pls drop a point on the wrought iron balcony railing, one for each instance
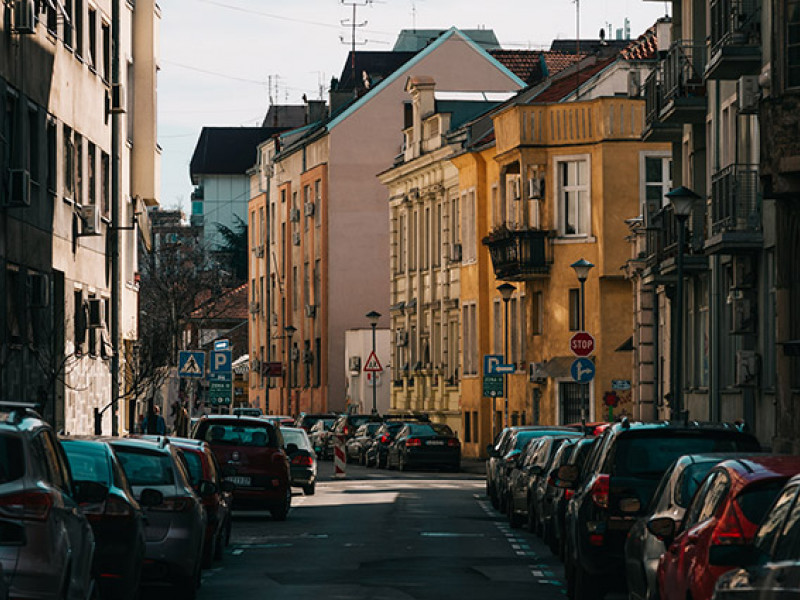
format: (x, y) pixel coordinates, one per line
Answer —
(683, 67)
(735, 200)
(521, 254)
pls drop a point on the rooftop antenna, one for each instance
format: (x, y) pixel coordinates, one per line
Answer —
(413, 16)
(353, 24)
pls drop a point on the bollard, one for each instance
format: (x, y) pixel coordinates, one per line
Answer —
(339, 458)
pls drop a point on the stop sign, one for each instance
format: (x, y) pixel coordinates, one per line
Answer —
(582, 344)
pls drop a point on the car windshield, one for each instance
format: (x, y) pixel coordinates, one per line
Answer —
(754, 500)
(372, 428)
(195, 464)
(651, 455)
(430, 429)
(237, 434)
(88, 462)
(146, 468)
(12, 459)
(295, 437)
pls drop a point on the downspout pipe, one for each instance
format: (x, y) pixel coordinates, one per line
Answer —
(115, 218)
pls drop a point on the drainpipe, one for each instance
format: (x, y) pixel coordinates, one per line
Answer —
(115, 219)
(715, 308)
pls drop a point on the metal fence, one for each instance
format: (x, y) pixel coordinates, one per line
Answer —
(735, 199)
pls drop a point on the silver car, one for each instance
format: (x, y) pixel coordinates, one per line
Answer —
(174, 529)
(49, 554)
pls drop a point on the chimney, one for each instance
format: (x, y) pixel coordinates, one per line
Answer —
(316, 110)
(423, 105)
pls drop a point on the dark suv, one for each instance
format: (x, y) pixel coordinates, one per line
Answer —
(615, 487)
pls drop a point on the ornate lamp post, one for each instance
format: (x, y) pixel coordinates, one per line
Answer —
(373, 317)
(582, 268)
(506, 290)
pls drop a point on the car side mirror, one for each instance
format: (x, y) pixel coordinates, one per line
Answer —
(291, 448)
(663, 528)
(150, 497)
(227, 486)
(567, 476)
(732, 555)
(12, 533)
(89, 492)
(206, 489)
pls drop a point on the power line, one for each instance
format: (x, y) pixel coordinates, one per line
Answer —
(216, 73)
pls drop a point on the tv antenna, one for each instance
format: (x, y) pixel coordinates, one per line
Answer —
(354, 24)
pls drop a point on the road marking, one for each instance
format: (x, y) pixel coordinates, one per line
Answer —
(446, 534)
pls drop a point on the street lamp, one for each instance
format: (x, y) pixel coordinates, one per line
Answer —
(373, 317)
(682, 199)
(582, 268)
(506, 290)
(290, 331)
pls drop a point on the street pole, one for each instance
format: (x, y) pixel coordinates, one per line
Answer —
(506, 290)
(582, 268)
(678, 357)
(373, 317)
(289, 329)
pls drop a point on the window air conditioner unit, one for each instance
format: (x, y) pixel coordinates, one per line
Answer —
(97, 313)
(748, 93)
(38, 290)
(259, 251)
(457, 253)
(401, 338)
(354, 364)
(536, 373)
(296, 239)
(294, 215)
(295, 353)
(254, 307)
(90, 217)
(25, 17)
(308, 209)
(19, 189)
(747, 368)
(311, 310)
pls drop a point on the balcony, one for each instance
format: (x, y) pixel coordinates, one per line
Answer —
(694, 259)
(654, 129)
(735, 39)
(519, 255)
(684, 92)
(735, 211)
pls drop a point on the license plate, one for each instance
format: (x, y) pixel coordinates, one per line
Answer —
(241, 481)
(435, 443)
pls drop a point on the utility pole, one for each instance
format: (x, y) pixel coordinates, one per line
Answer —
(353, 24)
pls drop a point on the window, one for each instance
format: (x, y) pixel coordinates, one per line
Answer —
(773, 522)
(79, 28)
(573, 208)
(700, 344)
(69, 164)
(90, 166)
(467, 427)
(426, 241)
(33, 145)
(317, 362)
(295, 295)
(537, 314)
(436, 232)
(92, 22)
(52, 152)
(68, 23)
(79, 322)
(92, 335)
(317, 281)
(656, 174)
(574, 310)
(130, 114)
(13, 306)
(498, 326)
(105, 69)
(79, 169)
(789, 542)
(51, 19)
(317, 202)
(468, 227)
(306, 201)
(497, 207)
(793, 43)
(470, 324)
(402, 246)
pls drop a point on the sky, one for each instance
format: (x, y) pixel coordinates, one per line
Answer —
(218, 57)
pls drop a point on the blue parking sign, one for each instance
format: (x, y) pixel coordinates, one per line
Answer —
(221, 362)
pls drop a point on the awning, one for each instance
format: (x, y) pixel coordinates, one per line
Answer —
(626, 346)
(559, 366)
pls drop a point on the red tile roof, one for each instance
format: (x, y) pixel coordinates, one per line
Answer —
(558, 61)
(642, 48)
(527, 64)
(566, 83)
(231, 305)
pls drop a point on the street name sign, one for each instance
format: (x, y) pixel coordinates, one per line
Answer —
(492, 386)
(582, 370)
(582, 344)
(373, 364)
(191, 364)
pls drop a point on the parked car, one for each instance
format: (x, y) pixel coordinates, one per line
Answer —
(216, 498)
(498, 450)
(673, 494)
(302, 459)
(280, 420)
(247, 411)
(561, 496)
(320, 436)
(40, 508)
(622, 473)
(542, 495)
(727, 509)
(770, 566)
(377, 448)
(174, 528)
(347, 424)
(531, 467)
(250, 452)
(425, 444)
(355, 447)
(117, 522)
(307, 420)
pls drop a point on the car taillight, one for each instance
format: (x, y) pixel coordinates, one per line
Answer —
(117, 507)
(453, 442)
(28, 506)
(302, 460)
(384, 439)
(729, 529)
(413, 442)
(568, 494)
(346, 430)
(599, 490)
(174, 504)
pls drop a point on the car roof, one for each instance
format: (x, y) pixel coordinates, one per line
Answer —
(159, 444)
(238, 419)
(20, 416)
(626, 425)
(758, 467)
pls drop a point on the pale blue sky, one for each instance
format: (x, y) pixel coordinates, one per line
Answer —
(217, 55)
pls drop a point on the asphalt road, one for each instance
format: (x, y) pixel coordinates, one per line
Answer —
(384, 535)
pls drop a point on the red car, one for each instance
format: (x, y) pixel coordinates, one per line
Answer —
(249, 450)
(726, 510)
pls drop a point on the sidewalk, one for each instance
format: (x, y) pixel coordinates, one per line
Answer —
(473, 465)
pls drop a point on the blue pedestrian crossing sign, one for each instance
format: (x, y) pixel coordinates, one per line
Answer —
(582, 370)
(191, 364)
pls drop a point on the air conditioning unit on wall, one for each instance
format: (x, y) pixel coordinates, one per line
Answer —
(90, 218)
(25, 17)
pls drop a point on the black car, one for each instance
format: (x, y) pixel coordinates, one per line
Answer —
(346, 425)
(377, 448)
(356, 447)
(671, 498)
(623, 471)
(308, 420)
(117, 522)
(427, 445)
(770, 566)
(575, 455)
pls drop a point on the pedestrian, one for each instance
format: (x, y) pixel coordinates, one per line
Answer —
(160, 424)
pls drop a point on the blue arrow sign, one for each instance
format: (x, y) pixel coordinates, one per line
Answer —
(493, 365)
(221, 361)
(191, 364)
(582, 370)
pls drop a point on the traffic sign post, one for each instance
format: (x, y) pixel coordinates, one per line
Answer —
(493, 386)
(221, 362)
(582, 370)
(373, 365)
(582, 344)
(220, 391)
(191, 364)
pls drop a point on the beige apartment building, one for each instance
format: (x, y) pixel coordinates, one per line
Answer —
(68, 277)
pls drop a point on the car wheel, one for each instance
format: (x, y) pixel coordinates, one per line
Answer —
(585, 588)
(513, 518)
(279, 513)
(209, 552)
(494, 499)
(310, 489)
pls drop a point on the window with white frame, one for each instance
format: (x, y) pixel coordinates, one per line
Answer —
(656, 180)
(573, 196)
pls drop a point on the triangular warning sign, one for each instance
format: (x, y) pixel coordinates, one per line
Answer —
(190, 367)
(373, 364)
